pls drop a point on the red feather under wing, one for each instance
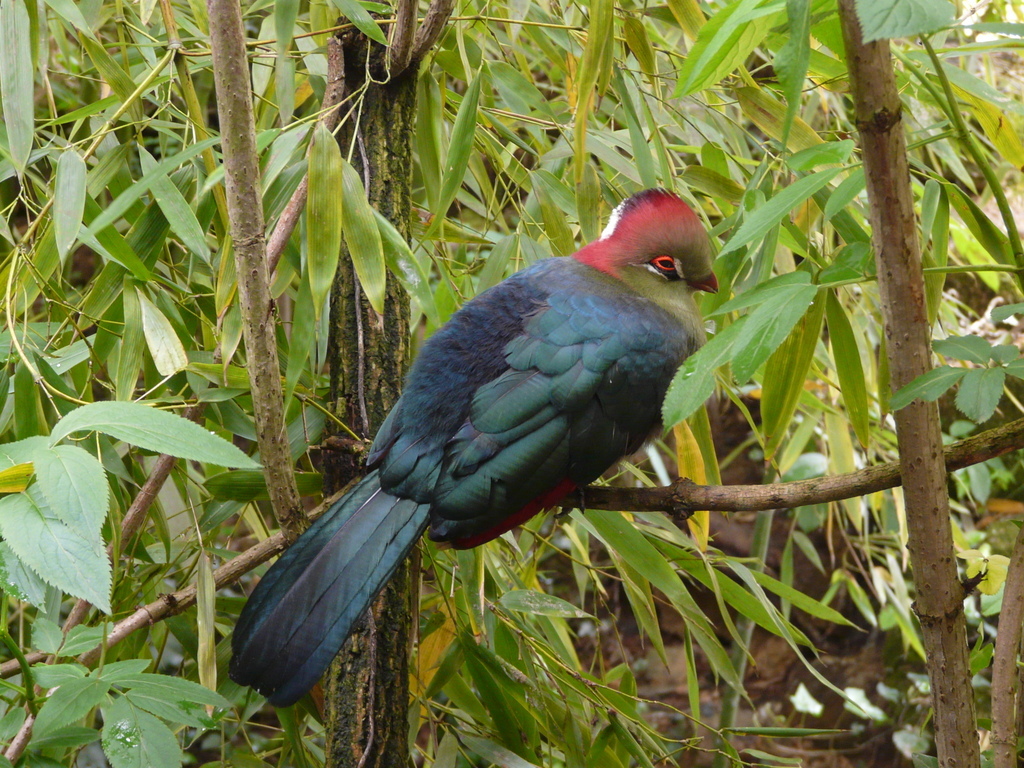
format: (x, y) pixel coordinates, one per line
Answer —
(542, 502)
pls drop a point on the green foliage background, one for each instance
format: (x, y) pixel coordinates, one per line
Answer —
(534, 119)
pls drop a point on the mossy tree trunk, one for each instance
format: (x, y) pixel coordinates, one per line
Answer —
(367, 700)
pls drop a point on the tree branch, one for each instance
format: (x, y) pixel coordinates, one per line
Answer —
(939, 600)
(400, 47)
(684, 496)
(245, 209)
(1005, 690)
(433, 25)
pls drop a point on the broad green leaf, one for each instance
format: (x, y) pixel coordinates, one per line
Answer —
(16, 81)
(991, 238)
(639, 144)
(68, 10)
(19, 581)
(1000, 314)
(68, 199)
(176, 209)
(723, 44)
(324, 212)
(881, 19)
(555, 226)
(495, 754)
(206, 633)
(799, 599)
(164, 345)
(979, 393)
(540, 603)
(591, 71)
(769, 114)
(849, 369)
(588, 203)
(153, 430)
(972, 349)
(75, 487)
(120, 81)
(639, 44)
(844, 194)
(59, 555)
(361, 18)
(929, 386)
(133, 738)
(412, 271)
(47, 637)
(81, 639)
(72, 701)
(173, 698)
(362, 236)
(756, 224)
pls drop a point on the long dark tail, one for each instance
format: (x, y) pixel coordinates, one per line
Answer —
(303, 610)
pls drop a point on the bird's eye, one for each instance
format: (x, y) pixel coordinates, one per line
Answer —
(665, 266)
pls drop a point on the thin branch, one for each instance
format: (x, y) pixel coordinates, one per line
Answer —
(1005, 691)
(245, 210)
(330, 117)
(400, 48)
(685, 496)
(433, 25)
(21, 740)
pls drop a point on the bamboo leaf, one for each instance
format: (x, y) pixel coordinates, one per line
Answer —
(68, 199)
(363, 21)
(16, 81)
(362, 237)
(690, 463)
(324, 215)
(846, 354)
(459, 149)
(176, 209)
(164, 345)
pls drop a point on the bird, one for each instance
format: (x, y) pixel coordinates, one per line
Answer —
(532, 390)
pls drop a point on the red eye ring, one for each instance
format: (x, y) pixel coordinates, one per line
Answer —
(664, 263)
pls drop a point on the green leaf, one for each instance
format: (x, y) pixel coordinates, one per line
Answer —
(849, 369)
(168, 353)
(757, 224)
(928, 386)
(176, 209)
(324, 215)
(81, 639)
(980, 392)
(363, 21)
(496, 754)
(767, 327)
(723, 44)
(75, 486)
(16, 81)
(363, 238)
(72, 701)
(1000, 314)
(46, 636)
(412, 272)
(884, 19)
(459, 150)
(791, 65)
(540, 603)
(153, 430)
(68, 11)
(19, 581)
(133, 738)
(826, 153)
(694, 382)
(68, 199)
(172, 698)
(60, 555)
(250, 484)
(972, 349)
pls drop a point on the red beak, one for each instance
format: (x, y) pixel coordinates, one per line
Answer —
(709, 284)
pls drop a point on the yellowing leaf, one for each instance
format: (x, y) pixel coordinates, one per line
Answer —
(15, 479)
(164, 345)
(691, 465)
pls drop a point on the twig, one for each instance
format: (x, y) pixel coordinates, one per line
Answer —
(21, 739)
(245, 210)
(1005, 690)
(433, 25)
(330, 117)
(400, 48)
